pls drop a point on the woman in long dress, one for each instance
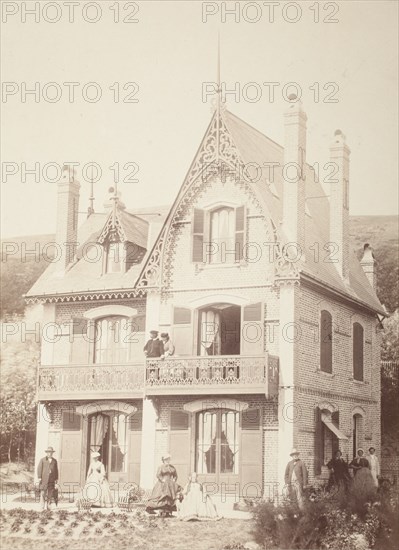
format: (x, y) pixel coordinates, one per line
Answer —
(196, 505)
(363, 480)
(165, 491)
(97, 489)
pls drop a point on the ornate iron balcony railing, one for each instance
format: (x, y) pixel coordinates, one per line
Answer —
(62, 382)
(224, 373)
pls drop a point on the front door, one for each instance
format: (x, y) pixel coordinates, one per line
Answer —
(108, 436)
(217, 447)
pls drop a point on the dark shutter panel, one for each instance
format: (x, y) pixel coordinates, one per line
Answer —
(240, 233)
(135, 421)
(182, 334)
(179, 444)
(252, 331)
(70, 468)
(80, 342)
(357, 351)
(178, 420)
(335, 440)
(251, 453)
(326, 336)
(70, 421)
(318, 443)
(198, 229)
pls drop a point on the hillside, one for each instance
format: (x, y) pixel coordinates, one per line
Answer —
(20, 270)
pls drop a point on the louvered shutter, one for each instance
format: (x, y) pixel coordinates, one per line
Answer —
(240, 233)
(80, 342)
(134, 452)
(326, 337)
(182, 331)
(318, 442)
(179, 443)
(251, 453)
(70, 467)
(252, 329)
(198, 230)
(358, 352)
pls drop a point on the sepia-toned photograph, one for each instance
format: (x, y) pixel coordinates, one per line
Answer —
(199, 275)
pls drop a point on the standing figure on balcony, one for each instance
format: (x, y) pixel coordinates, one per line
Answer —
(154, 346)
(165, 491)
(168, 345)
(97, 489)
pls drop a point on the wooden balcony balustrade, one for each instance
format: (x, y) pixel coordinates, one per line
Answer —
(91, 381)
(217, 374)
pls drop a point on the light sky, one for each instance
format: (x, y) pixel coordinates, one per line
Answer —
(170, 52)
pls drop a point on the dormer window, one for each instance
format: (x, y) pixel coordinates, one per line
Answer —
(218, 235)
(115, 261)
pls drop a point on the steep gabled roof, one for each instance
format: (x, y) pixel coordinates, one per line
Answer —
(84, 274)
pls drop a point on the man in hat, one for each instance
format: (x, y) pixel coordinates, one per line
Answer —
(296, 478)
(374, 465)
(47, 473)
(154, 346)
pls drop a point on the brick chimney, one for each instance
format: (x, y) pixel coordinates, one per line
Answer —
(339, 203)
(294, 172)
(368, 264)
(67, 216)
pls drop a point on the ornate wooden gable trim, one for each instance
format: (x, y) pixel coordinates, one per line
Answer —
(216, 156)
(112, 229)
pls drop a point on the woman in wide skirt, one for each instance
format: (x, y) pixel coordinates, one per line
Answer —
(196, 505)
(165, 491)
(97, 489)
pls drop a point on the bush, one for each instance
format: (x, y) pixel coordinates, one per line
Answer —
(353, 519)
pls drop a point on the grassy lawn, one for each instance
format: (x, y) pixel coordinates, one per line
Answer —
(74, 531)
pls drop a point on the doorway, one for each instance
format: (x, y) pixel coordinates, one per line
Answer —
(219, 330)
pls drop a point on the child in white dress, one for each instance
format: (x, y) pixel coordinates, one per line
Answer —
(196, 505)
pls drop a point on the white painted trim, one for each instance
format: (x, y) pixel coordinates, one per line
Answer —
(327, 406)
(358, 410)
(103, 406)
(215, 403)
(219, 204)
(106, 311)
(211, 299)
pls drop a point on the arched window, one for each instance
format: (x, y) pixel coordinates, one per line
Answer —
(326, 336)
(112, 340)
(222, 235)
(358, 335)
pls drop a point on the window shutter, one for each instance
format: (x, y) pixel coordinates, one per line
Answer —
(134, 450)
(318, 442)
(251, 453)
(240, 233)
(135, 421)
(182, 331)
(178, 420)
(358, 351)
(70, 421)
(326, 336)
(80, 342)
(198, 229)
(252, 332)
(179, 443)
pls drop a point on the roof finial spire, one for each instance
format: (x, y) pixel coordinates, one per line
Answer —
(219, 101)
(90, 210)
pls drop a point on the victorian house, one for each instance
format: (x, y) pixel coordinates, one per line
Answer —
(274, 319)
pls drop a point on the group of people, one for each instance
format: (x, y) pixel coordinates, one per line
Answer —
(364, 471)
(190, 502)
(159, 348)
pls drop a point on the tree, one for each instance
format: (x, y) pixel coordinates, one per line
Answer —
(18, 395)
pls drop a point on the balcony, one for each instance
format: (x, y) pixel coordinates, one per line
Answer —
(217, 374)
(91, 381)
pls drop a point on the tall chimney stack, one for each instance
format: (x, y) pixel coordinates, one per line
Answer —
(294, 173)
(368, 264)
(339, 202)
(67, 216)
